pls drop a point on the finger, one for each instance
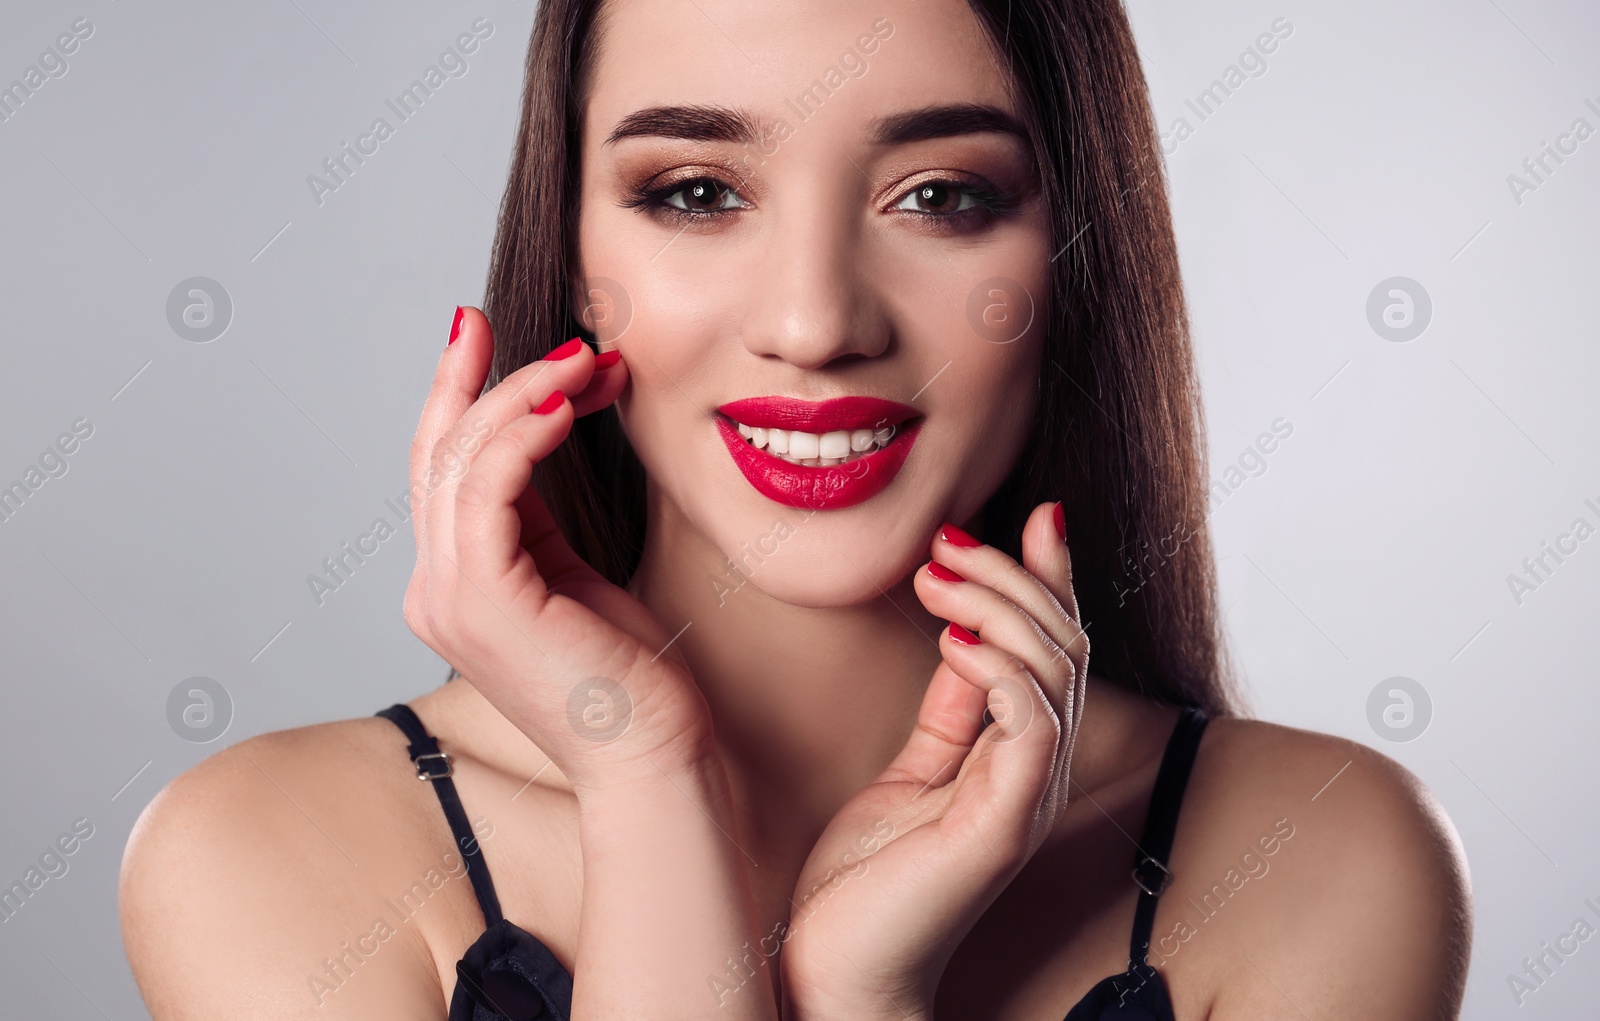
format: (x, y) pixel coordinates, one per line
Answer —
(605, 386)
(567, 369)
(999, 621)
(457, 382)
(1037, 594)
(488, 525)
(1047, 557)
(1014, 766)
(540, 535)
(558, 564)
(948, 724)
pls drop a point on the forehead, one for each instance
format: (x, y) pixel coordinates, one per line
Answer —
(762, 55)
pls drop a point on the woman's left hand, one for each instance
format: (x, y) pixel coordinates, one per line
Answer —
(911, 862)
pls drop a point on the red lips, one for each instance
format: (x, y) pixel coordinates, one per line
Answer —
(814, 417)
(828, 487)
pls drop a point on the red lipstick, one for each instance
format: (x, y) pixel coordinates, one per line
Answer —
(815, 417)
(821, 487)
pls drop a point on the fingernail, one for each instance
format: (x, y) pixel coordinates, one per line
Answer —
(962, 635)
(943, 573)
(566, 350)
(551, 403)
(455, 326)
(1061, 521)
(956, 537)
(606, 359)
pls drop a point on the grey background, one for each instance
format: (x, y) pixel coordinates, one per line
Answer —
(1376, 543)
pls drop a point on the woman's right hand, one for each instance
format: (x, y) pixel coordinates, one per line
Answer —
(575, 662)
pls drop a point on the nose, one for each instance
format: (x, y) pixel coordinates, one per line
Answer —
(811, 303)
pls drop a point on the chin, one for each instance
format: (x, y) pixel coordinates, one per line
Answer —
(820, 560)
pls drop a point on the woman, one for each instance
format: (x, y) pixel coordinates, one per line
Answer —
(886, 317)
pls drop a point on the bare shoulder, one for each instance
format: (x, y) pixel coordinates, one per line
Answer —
(1321, 874)
(252, 873)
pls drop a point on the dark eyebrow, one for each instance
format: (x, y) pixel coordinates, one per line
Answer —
(722, 124)
(943, 122)
(695, 123)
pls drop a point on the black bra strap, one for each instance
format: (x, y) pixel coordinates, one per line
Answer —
(1155, 846)
(435, 765)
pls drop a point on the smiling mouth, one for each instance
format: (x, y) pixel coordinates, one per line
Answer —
(817, 450)
(821, 455)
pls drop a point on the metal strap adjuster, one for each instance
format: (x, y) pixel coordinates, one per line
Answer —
(1158, 881)
(433, 773)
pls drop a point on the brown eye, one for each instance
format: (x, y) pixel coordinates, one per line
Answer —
(704, 195)
(938, 198)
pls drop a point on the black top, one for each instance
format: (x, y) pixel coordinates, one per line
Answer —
(508, 975)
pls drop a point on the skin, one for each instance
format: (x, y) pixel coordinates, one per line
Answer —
(825, 702)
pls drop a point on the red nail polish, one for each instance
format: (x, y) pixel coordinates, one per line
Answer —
(1061, 521)
(606, 359)
(551, 403)
(455, 326)
(956, 537)
(943, 573)
(962, 635)
(566, 350)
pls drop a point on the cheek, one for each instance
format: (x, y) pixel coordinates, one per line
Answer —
(668, 406)
(984, 417)
(998, 406)
(974, 325)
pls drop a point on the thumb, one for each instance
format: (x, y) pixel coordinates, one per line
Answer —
(1045, 554)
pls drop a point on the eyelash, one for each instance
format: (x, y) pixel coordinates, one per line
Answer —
(989, 202)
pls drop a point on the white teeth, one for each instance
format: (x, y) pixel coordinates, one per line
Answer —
(803, 445)
(812, 449)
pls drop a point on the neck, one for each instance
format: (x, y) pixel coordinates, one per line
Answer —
(810, 704)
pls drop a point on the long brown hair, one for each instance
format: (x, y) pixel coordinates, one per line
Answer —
(1119, 434)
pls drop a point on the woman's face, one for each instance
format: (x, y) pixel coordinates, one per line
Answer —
(787, 204)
